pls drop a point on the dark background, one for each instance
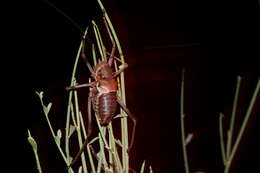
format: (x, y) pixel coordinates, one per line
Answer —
(213, 41)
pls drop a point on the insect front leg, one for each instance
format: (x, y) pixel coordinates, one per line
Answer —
(91, 84)
(121, 69)
(132, 117)
(83, 55)
(111, 58)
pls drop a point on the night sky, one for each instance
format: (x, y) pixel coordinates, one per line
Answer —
(213, 41)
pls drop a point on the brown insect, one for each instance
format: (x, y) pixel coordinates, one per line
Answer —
(103, 96)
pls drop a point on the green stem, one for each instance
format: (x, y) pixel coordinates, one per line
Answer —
(185, 157)
(113, 152)
(67, 129)
(102, 134)
(232, 121)
(92, 165)
(88, 147)
(242, 129)
(35, 149)
(83, 159)
(101, 145)
(46, 111)
(222, 143)
(37, 161)
(99, 41)
(94, 55)
(112, 30)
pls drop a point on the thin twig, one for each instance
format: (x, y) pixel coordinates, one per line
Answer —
(242, 129)
(222, 143)
(67, 129)
(232, 121)
(35, 151)
(182, 116)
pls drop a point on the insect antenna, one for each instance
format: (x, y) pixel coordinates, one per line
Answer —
(64, 15)
(75, 24)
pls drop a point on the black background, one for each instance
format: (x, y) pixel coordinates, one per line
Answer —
(213, 41)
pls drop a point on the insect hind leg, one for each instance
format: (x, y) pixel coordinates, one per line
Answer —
(132, 117)
(86, 142)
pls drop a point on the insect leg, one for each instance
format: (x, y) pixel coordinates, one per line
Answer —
(89, 115)
(121, 68)
(79, 153)
(83, 55)
(130, 115)
(89, 133)
(111, 58)
(91, 84)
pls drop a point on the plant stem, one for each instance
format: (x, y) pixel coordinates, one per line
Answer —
(182, 116)
(35, 148)
(46, 110)
(67, 129)
(242, 129)
(222, 143)
(94, 55)
(232, 121)
(78, 128)
(100, 44)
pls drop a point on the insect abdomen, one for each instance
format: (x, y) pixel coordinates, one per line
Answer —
(105, 107)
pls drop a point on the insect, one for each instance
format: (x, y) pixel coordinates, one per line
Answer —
(103, 98)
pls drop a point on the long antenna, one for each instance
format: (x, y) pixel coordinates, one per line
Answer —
(78, 27)
(64, 15)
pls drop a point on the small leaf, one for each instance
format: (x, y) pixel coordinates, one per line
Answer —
(70, 159)
(58, 137)
(40, 94)
(142, 168)
(59, 133)
(32, 141)
(189, 138)
(71, 130)
(57, 140)
(118, 142)
(47, 109)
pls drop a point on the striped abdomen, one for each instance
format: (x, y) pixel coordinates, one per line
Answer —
(105, 105)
